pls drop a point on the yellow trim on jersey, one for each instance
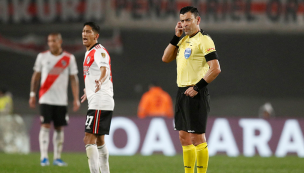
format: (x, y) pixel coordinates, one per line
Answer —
(190, 59)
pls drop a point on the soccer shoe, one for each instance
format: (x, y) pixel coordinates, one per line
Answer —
(59, 162)
(44, 162)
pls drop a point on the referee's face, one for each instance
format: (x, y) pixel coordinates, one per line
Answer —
(189, 23)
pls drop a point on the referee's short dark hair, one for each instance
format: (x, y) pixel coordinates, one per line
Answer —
(193, 10)
(94, 26)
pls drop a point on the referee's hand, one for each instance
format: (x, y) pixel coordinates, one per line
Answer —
(190, 92)
(179, 29)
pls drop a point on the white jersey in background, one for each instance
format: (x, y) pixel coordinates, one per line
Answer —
(95, 58)
(55, 71)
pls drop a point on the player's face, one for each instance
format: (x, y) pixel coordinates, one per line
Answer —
(89, 37)
(54, 43)
(189, 23)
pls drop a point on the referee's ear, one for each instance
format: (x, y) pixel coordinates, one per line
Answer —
(198, 18)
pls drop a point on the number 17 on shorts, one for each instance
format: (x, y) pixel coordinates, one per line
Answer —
(98, 122)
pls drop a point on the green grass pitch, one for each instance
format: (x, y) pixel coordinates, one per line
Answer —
(77, 163)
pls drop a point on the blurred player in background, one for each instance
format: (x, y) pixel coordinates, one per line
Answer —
(197, 66)
(155, 103)
(99, 92)
(54, 67)
(6, 102)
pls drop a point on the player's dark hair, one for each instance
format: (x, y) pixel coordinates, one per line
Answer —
(193, 10)
(94, 26)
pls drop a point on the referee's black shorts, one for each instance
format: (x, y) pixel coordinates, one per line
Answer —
(191, 113)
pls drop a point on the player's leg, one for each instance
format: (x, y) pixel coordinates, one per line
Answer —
(202, 154)
(93, 125)
(92, 152)
(58, 139)
(44, 134)
(189, 154)
(44, 137)
(103, 154)
(102, 129)
(60, 119)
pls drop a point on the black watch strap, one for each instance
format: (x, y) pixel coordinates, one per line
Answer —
(196, 88)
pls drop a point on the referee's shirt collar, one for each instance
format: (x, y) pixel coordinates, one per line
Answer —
(202, 31)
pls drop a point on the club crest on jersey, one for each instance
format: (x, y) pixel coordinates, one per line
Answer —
(63, 62)
(103, 55)
(88, 59)
(187, 53)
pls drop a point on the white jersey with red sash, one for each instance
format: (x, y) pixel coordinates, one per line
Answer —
(55, 71)
(95, 58)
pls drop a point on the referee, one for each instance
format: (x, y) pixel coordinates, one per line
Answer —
(197, 66)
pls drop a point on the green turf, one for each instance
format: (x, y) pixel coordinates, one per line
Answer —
(14, 163)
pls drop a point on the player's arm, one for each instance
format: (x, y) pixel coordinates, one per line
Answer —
(75, 90)
(104, 74)
(34, 87)
(171, 50)
(84, 96)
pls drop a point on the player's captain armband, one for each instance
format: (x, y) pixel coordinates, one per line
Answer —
(211, 56)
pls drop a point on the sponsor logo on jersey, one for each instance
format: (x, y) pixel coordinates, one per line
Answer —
(187, 52)
(88, 59)
(103, 55)
(86, 70)
(210, 49)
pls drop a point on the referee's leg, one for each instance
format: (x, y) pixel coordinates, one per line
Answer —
(194, 148)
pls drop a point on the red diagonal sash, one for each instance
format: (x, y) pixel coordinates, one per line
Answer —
(88, 61)
(59, 67)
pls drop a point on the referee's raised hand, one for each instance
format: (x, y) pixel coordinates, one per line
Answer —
(179, 29)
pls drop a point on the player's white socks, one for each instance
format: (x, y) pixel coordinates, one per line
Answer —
(44, 135)
(93, 158)
(104, 158)
(58, 137)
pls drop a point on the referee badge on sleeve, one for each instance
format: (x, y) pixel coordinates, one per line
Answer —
(187, 52)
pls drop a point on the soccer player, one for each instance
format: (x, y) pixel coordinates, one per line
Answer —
(54, 67)
(99, 92)
(197, 66)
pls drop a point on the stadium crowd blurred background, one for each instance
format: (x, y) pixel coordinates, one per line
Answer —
(259, 43)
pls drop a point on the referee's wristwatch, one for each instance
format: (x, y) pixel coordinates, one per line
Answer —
(196, 88)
